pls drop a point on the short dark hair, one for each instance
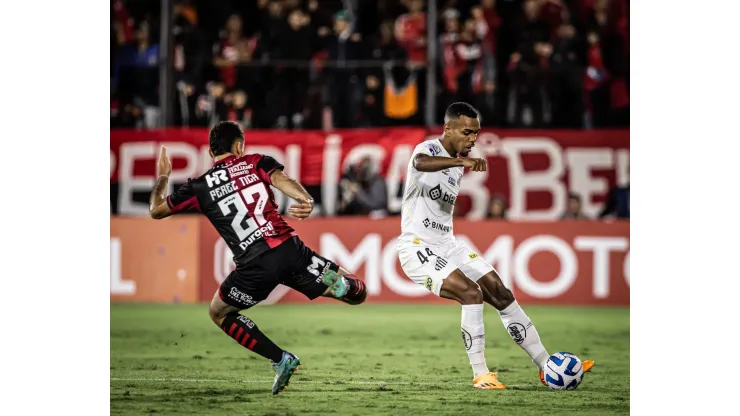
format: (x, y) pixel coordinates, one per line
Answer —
(456, 110)
(574, 195)
(222, 137)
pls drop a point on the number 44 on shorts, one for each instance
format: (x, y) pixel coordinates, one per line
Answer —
(439, 263)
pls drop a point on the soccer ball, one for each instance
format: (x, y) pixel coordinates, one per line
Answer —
(563, 371)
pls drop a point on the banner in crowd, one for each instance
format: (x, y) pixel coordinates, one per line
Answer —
(571, 263)
(533, 170)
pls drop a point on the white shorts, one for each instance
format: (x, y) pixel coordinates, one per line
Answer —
(429, 265)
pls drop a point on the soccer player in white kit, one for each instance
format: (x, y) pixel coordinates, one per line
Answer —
(431, 256)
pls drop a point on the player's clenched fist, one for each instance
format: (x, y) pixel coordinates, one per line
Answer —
(475, 164)
(302, 209)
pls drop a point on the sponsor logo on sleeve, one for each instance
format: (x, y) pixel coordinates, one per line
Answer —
(434, 150)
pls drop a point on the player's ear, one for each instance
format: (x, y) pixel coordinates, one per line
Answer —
(238, 148)
(210, 153)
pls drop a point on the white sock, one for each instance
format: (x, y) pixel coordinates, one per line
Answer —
(523, 332)
(474, 336)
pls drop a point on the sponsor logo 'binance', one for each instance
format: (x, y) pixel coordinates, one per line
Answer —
(436, 225)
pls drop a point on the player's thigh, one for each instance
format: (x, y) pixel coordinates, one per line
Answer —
(249, 285)
(458, 287)
(305, 269)
(428, 266)
(471, 264)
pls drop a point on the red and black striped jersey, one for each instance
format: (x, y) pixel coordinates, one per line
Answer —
(236, 197)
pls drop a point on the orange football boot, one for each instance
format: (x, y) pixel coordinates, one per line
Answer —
(587, 366)
(488, 381)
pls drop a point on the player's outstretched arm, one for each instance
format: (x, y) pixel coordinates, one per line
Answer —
(426, 163)
(294, 190)
(158, 207)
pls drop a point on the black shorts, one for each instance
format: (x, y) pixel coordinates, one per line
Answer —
(291, 264)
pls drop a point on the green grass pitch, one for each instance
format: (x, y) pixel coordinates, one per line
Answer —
(358, 360)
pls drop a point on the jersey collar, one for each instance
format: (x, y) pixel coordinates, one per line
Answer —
(224, 160)
(443, 148)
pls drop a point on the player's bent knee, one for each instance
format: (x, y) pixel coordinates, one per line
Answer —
(495, 293)
(215, 316)
(472, 295)
(503, 295)
(218, 310)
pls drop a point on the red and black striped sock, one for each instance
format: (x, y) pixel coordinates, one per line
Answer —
(245, 332)
(356, 293)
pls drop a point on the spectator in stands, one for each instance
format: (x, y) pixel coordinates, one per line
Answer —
(189, 51)
(573, 208)
(596, 82)
(448, 57)
(138, 78)
(566, 79)
(371, 109)
(497, 208)
(322, 22)
(408, 85)
(411, 31)
(487, 23)
(542, 63)
(232, 50)
(342, 79)
(528, 70)
(617, 203)
(189, 48)
(363, 191)
(469, 54)
(273, 26)
(288, 96)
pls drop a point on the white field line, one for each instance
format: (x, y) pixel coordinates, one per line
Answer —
(296, 381)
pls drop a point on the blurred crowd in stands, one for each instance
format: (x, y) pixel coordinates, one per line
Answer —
(364, 192)
(299, 64)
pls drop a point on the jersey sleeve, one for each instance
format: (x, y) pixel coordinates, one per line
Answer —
(183, 199)
(428, 148)
(266, 166)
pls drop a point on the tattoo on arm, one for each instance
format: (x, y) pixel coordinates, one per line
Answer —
(159, 193)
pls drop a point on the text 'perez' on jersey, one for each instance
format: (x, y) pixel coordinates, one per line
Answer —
(429, 199)
(236, 198)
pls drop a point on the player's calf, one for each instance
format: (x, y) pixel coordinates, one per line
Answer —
(517, 323)
(243, 330)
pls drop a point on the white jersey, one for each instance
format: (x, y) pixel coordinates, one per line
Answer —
(429, 200)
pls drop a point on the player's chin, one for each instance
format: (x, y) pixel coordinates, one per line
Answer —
(464, 154)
